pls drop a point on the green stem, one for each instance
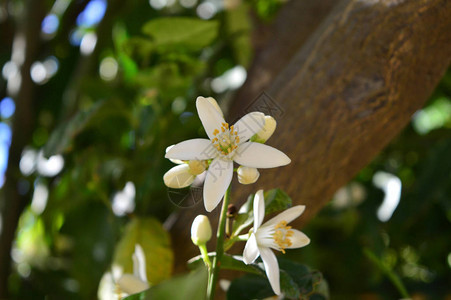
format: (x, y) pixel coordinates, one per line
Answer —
(238, 238)
(392, 276)
(205, 258)
(213, 279)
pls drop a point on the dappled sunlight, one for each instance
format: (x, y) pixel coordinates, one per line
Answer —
(391, 185)
(124, 201)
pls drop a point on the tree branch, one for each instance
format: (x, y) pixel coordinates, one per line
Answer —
(344, 95)
(26, 42)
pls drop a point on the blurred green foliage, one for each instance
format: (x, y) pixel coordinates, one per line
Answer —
(112, 112)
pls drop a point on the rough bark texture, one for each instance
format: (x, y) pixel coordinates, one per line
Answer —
(278, 43)
(343, 95)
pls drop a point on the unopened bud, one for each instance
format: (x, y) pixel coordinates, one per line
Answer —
(266, 132)
(231, 211)
(178, 177)
(200, 230)
(247, 175)
(197, 166)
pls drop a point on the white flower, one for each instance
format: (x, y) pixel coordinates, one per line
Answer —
(273, 234)
(226, 145)
(247, 175)
(136, 282)
(200, 230)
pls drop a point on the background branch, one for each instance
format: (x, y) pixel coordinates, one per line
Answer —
(26, 40)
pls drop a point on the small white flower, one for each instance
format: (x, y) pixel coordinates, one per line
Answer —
(200, 230)
(225, 145)
(273, 234)
(247, 175)
(136, 282)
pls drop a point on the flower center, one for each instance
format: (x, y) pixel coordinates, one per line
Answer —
(226, 139)
(282, 235)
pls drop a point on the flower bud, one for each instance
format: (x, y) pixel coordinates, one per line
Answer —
(197, 166)
(266, 132)
(178, 177)
(247, 175)
(200, 230)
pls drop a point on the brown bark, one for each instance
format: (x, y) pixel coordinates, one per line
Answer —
(343, 95)
(276, 44)
(13, 202)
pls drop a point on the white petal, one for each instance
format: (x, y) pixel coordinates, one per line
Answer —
(139, 263)
(258, 155)
(299, 239)
(249, 125)
(209, 116)
(271, 268)
(214, 103)
(219, 176)
(287, 215)
(131, 284)
(195, 149)
(175, 161)
(259, 209)
(251, 251)
(178, 177)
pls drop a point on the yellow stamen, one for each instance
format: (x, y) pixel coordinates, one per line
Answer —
(225, 139)
(282, 236)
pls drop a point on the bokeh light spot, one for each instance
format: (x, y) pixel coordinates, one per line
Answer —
(7, 107)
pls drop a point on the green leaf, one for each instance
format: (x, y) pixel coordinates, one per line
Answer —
(121, 41)
(305, 279)
(155, 242)
(228, 262)
(188, 33)
(297, 281)
(238, 27)
(62, 136)
(288, 286)
(245, 216)
(189, 286)
(249, 287)
(276, 200)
